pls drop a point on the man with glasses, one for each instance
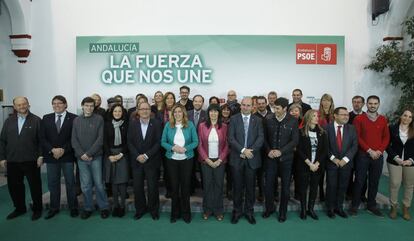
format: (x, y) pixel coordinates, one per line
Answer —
(185, 101)
(144, 135)
(343, 145)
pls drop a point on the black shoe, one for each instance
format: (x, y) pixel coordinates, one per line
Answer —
(303, 214)
(235, 218)
(250, 218)
(341, 213)
(86, 214)
(353, 212)
(282, 218)
(115, 212)
(173, 219)
(15, 214)
(121, 212)
(155, 216)
(74, 213)
(138, 216)
(104, 213)
(51, 214)
(376, 212)
(267, 214)
(36, 215)
(312, 214)
(331, 214)
(187, 218)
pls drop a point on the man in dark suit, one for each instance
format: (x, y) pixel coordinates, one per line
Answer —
(20, 150)
(56, 134)
(261, 112)
(281, 137)
(246, 140)
(144, 135)
(343, 145)
(358, 102)
(297, 98)
(197, 115)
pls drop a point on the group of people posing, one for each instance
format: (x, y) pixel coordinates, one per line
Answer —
(254, 143)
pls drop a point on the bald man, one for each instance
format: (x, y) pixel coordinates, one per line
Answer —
(98, 109)
(20, 150)
(246, 140)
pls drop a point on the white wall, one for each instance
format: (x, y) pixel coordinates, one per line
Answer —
(55, 24)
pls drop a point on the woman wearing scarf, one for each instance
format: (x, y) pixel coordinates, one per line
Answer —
(116, 161)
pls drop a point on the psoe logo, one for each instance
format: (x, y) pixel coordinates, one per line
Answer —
(316, 54)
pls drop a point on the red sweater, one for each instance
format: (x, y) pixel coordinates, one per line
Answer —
(372, 134)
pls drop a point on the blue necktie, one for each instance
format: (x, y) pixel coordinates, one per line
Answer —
(246, 129)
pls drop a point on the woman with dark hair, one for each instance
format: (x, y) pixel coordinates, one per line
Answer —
(212, 153)
(226, 113)
(116, 151)
(312, 152)
(401, 163)
(179, 139)
(214, 100)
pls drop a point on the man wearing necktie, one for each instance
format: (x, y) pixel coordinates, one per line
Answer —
(58, 155)
(343, 144)
(196, 115)
(245, 158)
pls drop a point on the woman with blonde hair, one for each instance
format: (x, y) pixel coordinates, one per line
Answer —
(179, 139)
(312, 154)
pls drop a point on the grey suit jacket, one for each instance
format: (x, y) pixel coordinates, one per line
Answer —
(236, 139)
(349, 142)
(201, 118)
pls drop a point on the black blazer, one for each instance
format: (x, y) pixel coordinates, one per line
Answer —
(23, 147)
(305, 152)
(287, 139)
(396, 147)
(349, 143)
(151, 145)
(50, 138)
(254, 140)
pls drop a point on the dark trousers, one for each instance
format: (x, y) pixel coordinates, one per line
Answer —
(351, 185)
(364, 166)
(213, 180)
(54, 171)
(180, 176)
(337, 183)
(243, 188)
(271, 170)
(119, 191)
(260, 180)
(15, 182)
(308, 179)
(139, 175)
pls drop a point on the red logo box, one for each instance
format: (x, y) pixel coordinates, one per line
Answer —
(316, 54)
(326, 54)
(306, 53)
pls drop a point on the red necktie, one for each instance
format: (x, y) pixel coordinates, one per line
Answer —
(339, 138)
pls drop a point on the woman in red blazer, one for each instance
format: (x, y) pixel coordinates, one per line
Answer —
(212, 153)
